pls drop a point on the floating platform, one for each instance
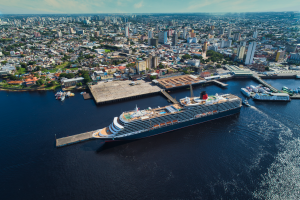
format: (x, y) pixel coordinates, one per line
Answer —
(87, 96)
(74, 139)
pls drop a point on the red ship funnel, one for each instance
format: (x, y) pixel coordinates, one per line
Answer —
(203, 95)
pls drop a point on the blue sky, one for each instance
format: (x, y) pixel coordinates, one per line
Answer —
(144, 6)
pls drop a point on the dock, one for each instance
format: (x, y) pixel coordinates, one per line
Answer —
(112, 91)
(169, 97)
(74, 139)
(220, 83)
(265, 84)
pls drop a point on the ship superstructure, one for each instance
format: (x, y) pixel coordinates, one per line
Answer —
(137, 123)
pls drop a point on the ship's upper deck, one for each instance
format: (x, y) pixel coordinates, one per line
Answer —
(174, 108)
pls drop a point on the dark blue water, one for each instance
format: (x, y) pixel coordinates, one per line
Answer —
(253, 155)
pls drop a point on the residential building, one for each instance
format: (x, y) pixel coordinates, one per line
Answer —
(174, 39)
(154, 42)
(241, 52)
(141, 66)
(162, 37)
(250, 53)
(279, 55)
(237, 37)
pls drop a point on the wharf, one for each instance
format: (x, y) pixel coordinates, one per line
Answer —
(169, 97)
(265, 84)
(74, 139)
(112, 91)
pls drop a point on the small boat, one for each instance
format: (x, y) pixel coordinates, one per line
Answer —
(245, 102)
(62, 98)
(72, 95)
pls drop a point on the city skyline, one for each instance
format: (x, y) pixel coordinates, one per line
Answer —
(142, 6)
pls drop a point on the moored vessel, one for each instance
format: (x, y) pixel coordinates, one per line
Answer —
(137, 124)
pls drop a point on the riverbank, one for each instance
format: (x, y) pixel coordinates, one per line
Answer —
(53, 88)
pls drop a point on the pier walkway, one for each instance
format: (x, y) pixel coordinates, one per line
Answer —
(220, 83)
(169, 96)
(265, 84)
(74, 139)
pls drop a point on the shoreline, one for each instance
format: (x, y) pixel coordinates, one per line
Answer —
(40, 89)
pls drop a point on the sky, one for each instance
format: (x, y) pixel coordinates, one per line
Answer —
(144, 6)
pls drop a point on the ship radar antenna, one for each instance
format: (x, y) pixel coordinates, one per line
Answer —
(191, 88)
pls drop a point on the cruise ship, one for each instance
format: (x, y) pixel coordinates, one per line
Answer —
(272, 97)
(137, 124)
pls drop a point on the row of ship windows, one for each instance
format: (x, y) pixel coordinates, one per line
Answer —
(140, 125)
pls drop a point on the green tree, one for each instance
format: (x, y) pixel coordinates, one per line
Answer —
(186, 56)
(4, 62)
(40, 82)
(267, 68)
(70, 75)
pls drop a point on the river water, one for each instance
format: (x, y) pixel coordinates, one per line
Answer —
(253, 155)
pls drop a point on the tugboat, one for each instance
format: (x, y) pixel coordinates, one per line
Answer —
(245, 102)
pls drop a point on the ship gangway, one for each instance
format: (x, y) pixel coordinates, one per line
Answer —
(220, 83)
(169, 97)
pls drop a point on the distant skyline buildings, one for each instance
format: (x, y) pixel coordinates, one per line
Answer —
(140, 6)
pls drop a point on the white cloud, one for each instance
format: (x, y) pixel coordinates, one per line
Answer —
(138, 5)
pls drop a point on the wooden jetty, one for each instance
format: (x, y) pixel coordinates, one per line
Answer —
(220, 83)
(169, 96)
(74, 139)
(265, 84)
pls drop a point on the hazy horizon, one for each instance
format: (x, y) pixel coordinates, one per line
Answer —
(142, 6)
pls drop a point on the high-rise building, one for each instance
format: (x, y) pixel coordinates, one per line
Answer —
(141, 66)
(59, 34)
(250, 53)
(243, 43)
(255, 34)
(174, 39)
(241, 52)
(204, 47)
(279, 55)
(153, 42)
(212, 27)
(221, 31)
(184, 33)
(290, 48)
(237, 37)
(226, 44)
(126, 31)
(97, 33)
(229, 32)
(154, 62)
(150, 34)
(162, 37)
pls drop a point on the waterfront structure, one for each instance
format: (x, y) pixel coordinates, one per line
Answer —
(137, 124)
(250, 53)
(162, 37)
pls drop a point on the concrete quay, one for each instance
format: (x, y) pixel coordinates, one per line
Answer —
(111, 91)
(74, 139)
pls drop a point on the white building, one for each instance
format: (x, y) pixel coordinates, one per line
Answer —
(150, 34)
(225, 44)
(255, 34)
(126, 31)
(250, 53)
(241, 52)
